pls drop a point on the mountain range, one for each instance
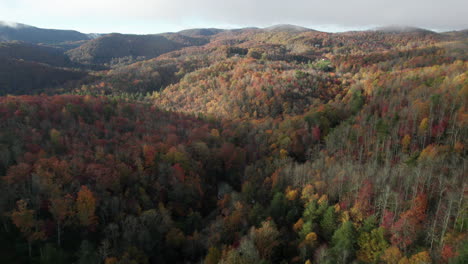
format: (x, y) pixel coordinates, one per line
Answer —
(26, 33)
(71, 51)
(222, 146)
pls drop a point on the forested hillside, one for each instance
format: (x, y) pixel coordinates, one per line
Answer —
(108, 48)
(276, 145)
(22, 32)
(31, 52)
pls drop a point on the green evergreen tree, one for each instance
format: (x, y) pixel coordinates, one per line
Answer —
(344, 243)
(328, 223)
(279, 207)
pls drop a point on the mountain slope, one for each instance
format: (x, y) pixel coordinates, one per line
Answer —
(27, 77)
(287, 28)
(113, 46)
(201, 32)
(35, 53)
(22, 32)
(254, 146)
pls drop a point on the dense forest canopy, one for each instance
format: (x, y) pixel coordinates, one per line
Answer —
(276, 145)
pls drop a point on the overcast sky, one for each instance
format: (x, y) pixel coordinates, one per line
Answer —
(154, 16)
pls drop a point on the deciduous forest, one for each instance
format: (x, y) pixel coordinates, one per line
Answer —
(277, 145)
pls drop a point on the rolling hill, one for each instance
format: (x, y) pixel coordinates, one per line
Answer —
(26, 33)
(27, 68)
(275, 145)
(36, 53)
(139, 47)
(28, 77)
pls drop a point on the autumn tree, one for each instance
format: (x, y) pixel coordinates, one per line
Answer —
(405, 230)
(213, 256)
(62, 210)
(265, 239)
(371, 245)
(86, 207)
(25, 220)
(391, 255)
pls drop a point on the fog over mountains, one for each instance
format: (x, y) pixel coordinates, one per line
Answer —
(10, 31)
(22, 32)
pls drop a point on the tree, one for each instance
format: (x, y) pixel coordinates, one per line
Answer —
(175, 238)
(391, 255)
(329, 222)
(56, 139)
(87, 253)
(134, 255)
(420, 258)
(213, 256)
(423, 126)
(307, 246)
(25, 220)
(62, 211)
(86, 207)
(246, 253)
(278, 207)
(406, 229)
(405, 142)
(357, 101)
(313, 210)
(344, 242)
(371, 245)
(462, 253)
(362, 208)
(52, 255)
(265, 238)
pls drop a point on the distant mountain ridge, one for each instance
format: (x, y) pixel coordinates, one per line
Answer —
(287, 28)
(16, 31)
(104, 49)
(201, 31)
(147, 63)
(26, 33)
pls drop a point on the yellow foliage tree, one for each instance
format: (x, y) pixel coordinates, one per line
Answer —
(298, 225)
(405, 142)
(214, 132)
(323, 199)
(423, 126)
(391, 255)
(421, 258)
(308, 193)
(311, 238)
(404, 260)
(371, 245)
(283, 153)
(429, 153)
(111, 261)
(291, 194)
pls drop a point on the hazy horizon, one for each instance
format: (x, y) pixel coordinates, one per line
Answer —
(157, 16)
(322, 28)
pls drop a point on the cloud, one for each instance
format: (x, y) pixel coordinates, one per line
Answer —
(9, 24)
(435, 14)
